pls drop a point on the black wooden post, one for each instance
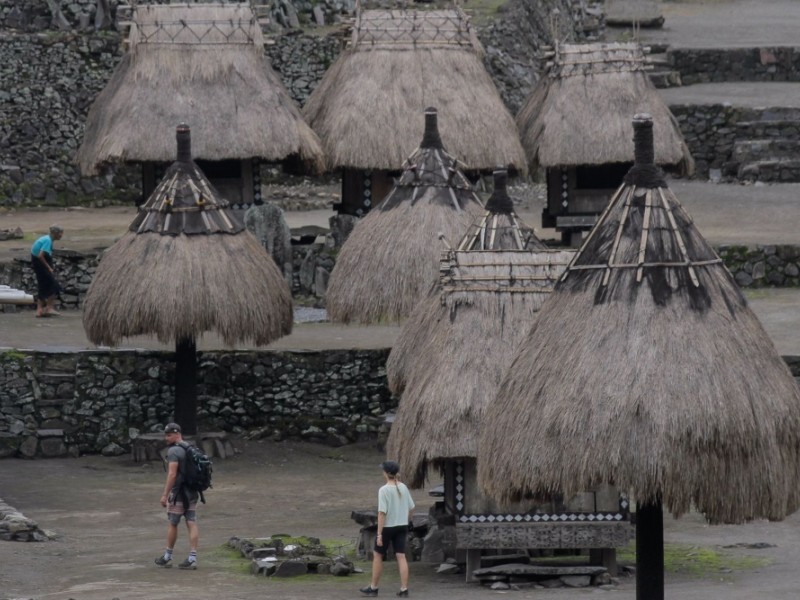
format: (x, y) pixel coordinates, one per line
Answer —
(650, 551)
(186, 385)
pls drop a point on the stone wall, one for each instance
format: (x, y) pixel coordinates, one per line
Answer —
(312, 264)
(703, 65)
(724, 140)
(56, 404)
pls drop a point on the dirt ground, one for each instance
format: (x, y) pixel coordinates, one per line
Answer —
(110, 527)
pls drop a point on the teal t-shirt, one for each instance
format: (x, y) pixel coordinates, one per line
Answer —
(395, 505)
(43, 243)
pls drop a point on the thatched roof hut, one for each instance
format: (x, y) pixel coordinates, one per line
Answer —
(575, 126)
(198, 63)
(458, 342)
(390, 260)
(579, 111)
(647, 369)
(186, 266)
(397, 63)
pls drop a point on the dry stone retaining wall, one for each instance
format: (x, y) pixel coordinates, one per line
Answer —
(56, 404)
(704, 65)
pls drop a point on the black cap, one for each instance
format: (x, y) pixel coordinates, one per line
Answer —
(390, 467)
(172, 428)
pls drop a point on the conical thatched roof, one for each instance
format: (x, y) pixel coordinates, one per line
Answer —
(390, 260)
(198, 63)
(578, 113)
(397, 63)
(186, 266)
(647, 369)
(454, 349)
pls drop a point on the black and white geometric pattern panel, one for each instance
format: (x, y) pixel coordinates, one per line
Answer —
(560, 517)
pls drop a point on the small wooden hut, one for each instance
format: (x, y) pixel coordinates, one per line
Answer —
(448, 363)
(365, 110)
(647, 368)
(575, 126)
(389, 261)
(202, 63)
(187, 265)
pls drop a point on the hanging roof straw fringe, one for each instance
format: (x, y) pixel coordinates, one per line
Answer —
(646, 369)
(187, 266)
(389, 262)
(202, 63)
(578, 113)
(398, 62)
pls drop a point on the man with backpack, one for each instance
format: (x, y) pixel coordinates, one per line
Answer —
(178, 499)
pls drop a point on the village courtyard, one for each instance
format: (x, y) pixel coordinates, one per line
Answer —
(103, 512)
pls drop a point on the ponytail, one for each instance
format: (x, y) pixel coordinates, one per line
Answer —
(396, 480)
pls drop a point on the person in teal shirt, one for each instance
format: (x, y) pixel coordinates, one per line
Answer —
(42, 263)
(395, 507)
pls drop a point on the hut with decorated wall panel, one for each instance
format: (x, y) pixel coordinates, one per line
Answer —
(447, 365)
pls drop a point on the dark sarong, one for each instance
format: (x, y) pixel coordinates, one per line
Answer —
(47, 284)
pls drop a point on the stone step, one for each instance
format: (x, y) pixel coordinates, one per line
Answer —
(770, 170)
(769, 128)
(665, 79)
(766, 149)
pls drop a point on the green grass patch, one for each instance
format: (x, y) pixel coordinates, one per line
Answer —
(697, 561)
(227, 559)
(14, 355)
(483, 11)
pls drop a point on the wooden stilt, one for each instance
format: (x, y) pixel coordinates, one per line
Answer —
(186, 385)
(650, 552)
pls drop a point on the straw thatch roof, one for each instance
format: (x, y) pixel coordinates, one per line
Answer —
(647, 369)
(579, 112)
(389, 261)
(187, 266)
(197, 63)
(397, 63)
(454, 349)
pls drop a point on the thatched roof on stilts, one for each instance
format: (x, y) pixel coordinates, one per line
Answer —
(187, 265)
(203, 64)
(390, 260)
(454, 349)
(397, 63)
(578, 113)
(647, 369)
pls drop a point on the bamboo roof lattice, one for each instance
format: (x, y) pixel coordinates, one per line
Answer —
(647, 369)
(389, 262)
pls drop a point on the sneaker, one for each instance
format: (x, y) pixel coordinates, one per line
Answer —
(369, 591)
(403, 593)
(188, 564)
(163, 562)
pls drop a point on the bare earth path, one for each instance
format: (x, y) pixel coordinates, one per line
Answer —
(110, 527)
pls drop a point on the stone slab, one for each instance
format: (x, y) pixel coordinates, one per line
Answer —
(539, 570)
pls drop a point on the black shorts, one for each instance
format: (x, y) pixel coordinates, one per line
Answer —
(47, 285)
(396, 536)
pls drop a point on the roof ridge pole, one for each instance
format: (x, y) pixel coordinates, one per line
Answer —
(431, 139)
(184, 138)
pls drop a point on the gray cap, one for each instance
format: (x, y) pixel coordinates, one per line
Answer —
(56, 229)
(172, 428)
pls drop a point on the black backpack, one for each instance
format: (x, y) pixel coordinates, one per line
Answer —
(195, 470)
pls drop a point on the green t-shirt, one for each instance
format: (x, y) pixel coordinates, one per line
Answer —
(395, 505)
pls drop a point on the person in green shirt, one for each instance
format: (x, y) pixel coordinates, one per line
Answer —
(395, 507)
